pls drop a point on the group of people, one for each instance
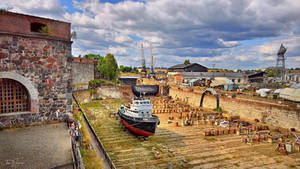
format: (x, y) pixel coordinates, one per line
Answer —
(74, 127)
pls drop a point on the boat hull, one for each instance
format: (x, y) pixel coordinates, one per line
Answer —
(145, 90)
(140, 126)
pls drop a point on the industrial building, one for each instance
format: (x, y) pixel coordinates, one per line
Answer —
(193, 67)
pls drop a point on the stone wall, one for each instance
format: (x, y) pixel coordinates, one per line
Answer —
(46, 64)
(82, 73)
(270, 113)
(85, 96)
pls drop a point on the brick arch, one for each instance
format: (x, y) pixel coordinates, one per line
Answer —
(213, 92)
(32, 91)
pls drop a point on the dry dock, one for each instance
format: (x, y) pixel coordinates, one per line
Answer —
(179, 147)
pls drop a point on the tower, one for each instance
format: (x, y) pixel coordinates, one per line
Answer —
(143, 60)
(152, 74)
(280, 64)
(152, 69)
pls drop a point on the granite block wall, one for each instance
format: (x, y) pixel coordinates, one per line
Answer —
(44, 65)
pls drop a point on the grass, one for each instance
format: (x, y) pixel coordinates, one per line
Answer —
(79, 84)
(292, 165)
(209, 138)
(277, 160)
(89, 157)
(227, 157)
(236, 164)
(98, 82)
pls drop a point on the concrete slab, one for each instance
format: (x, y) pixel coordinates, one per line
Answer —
(35, 147)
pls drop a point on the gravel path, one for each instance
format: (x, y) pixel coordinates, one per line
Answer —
(35, 147)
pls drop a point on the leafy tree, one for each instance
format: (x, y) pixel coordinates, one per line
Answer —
(108, 66)
(186, 62)
(135, 70)
(128, 69)
(91, 56)
(101, 65)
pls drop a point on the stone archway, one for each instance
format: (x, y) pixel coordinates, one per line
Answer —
(213, 92)
(33, 93)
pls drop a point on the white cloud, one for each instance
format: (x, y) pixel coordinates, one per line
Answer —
(204, 31)
(48, 8)
(227, 44)
(117, 50)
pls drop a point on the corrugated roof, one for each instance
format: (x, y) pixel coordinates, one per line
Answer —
(212, 74)
(182, 66)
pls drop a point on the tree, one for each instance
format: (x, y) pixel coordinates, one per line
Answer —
(91, 56)
(100, 65)
(108, 67)
(186, 62)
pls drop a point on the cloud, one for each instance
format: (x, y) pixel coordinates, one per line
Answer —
(227, 44)
(49, 8)
(117, 50)
(206, 31)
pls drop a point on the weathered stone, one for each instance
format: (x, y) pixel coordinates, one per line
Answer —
(42, 65)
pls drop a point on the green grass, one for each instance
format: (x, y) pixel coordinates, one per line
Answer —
(98, 82)
(90, 159)
(292, 165)
(209, 138)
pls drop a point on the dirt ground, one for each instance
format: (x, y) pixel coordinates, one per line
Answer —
(35, 147)
(180, 147)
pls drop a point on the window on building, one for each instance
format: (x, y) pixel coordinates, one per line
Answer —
(232, 80)
(36, 27)
(239, 80)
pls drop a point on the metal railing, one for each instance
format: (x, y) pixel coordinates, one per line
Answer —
(99, 143)
(77, 159)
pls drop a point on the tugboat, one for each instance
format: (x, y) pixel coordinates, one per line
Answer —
(137, 116)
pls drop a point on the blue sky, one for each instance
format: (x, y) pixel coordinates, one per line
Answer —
(233, 34)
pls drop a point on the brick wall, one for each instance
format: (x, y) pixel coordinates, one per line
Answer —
(43, 61)
(270, 113)
(14, 23)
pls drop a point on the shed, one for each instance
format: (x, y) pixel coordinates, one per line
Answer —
(193, 67)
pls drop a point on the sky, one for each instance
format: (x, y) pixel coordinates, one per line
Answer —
(231, 34)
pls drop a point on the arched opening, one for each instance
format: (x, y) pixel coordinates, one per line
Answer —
(14, 96)
(213, 92)
(33, 105)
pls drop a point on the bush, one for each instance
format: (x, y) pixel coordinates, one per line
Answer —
(98, 82)
(219, 109)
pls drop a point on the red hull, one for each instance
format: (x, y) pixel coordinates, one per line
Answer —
(136, 130)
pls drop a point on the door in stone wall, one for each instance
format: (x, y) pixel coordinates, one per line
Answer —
(13, 96)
